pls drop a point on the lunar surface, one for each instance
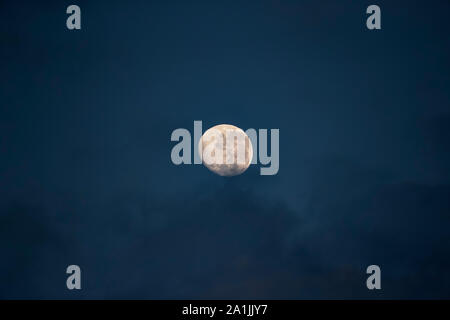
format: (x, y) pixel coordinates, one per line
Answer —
(226, 150)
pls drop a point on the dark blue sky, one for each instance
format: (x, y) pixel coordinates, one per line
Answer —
(85, 170)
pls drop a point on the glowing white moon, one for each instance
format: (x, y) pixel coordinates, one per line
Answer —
(226, 150)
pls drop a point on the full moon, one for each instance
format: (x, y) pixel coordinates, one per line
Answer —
(226, 150)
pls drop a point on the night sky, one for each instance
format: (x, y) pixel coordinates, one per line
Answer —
(86, 176)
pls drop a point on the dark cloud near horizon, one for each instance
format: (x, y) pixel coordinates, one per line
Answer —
(232, 243)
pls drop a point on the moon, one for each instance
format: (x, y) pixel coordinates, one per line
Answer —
(226, 150)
